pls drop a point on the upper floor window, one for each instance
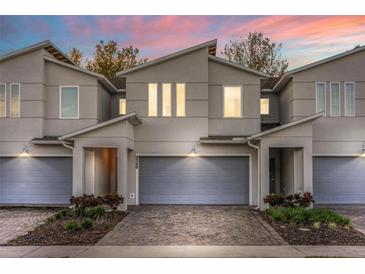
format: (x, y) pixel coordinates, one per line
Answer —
(335, 99)
(349, 99)
(122, 106)
(2, 100)
(152, 99)
(166, 99)
(180, 100)
(14, 100)
(320, 97)
(264, 106)
(69, 102)
(232, 96)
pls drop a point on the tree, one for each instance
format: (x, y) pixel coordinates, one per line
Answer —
(108, 59)
(257, 52)
(76, 56)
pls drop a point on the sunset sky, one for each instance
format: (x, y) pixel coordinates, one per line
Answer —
(304, 38)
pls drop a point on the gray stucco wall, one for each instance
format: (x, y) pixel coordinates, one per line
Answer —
(274, 111)
(333, 135)
(114, 104)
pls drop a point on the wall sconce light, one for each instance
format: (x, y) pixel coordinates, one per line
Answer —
(25, 152)
(362, 153)
(192, 153)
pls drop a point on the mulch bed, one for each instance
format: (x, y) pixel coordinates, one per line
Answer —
(54, 233)
(296, 234)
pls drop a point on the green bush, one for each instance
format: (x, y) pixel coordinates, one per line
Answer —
(80, 212)
(307, 216)
(72, 226)
(61, 214)
(95, 212)
(87, 224)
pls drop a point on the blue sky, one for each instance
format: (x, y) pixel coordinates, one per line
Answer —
(305, 38)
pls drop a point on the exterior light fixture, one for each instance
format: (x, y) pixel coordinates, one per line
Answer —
(362, 153)
(25, 152)
(192, 153)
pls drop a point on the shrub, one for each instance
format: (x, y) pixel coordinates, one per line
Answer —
(86, 201)
(307, 216)
(293, 200)
(80, 211)
(72, 226)
(95, 212)
(113, 200)
(61, 214)
(87, 224)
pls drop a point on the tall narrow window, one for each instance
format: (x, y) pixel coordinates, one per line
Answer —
(122, 106)
(349, 99)
(152, 99)
(264, 106)
(232, 102)
(69, 102)
(2, 100)
(335, 99)
(320, 97)
(180, 100)
(166, 99)
(14, 100)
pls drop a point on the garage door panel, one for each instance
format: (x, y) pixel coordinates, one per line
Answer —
(339, 180)
(200, 180)
(35, 180)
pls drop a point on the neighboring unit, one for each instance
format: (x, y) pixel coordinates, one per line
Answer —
(187, 128)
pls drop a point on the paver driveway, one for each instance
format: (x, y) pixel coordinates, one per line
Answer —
(191, 225)
(17, 221)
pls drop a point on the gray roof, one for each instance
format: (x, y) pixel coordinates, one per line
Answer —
(47, 45)
(212, 45)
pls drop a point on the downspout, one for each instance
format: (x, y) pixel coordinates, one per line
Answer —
(258, 172)
(67, 145)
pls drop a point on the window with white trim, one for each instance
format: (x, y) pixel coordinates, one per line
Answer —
(166, 99)
(264, 106)
(335, 99)
(232, 97)
(122, 106)
(320, 97)
(152, 99)
(14, 100)
(349, 99)
(2, 100)
(180, 100)
(69, 102)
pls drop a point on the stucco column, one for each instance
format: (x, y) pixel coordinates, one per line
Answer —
(265, 174)
(308, 168)
(78, 171)
(122, 174)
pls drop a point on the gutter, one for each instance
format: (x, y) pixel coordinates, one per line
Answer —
(258, 172)
(67, 145)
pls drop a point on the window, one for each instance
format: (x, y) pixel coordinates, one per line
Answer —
(122, 106)
(320, 97)
(166, 99)
(264, 106)
(349, 99)
(69, 102)
(152, 99)
(232, 102)
(2, 100)
(180, 100)
(14, 100)
(335, 99)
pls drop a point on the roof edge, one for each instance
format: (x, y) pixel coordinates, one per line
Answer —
(285, 126)
(235, 65)
(129, 117)
(169, 56)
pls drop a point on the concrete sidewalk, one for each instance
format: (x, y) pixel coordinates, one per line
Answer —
(180, 251)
